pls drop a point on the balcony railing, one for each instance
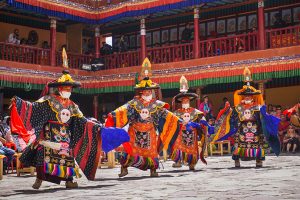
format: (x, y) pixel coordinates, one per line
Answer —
(24, 54)
(283, 37)
(228, 45)
(171, 53)
(75, 60)
(120, 60)
(275, 38)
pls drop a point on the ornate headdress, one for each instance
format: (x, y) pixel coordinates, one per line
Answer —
(248, 90)
(145, 83)
(65, 79)
(184, 87)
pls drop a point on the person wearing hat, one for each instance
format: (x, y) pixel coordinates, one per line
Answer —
(63, 135)
(185, 149)
(250, 125)
(146, 116)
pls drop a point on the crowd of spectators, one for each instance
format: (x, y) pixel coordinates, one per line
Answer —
(289, 135)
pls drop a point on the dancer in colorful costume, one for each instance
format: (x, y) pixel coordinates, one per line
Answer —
(185, 149)
(249, 123)
(146, 116)
(63, 135)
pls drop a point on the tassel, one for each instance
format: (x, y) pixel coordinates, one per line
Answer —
(45, 168)
(54, 170)
(62, 171)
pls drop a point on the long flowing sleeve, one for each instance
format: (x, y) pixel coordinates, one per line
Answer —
(168, 129)
(119, 117)
(87, 141)
(86, 145)
(226, 123)
(270, 125)
(29, 116)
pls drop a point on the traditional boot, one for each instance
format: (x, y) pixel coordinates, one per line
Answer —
(71, 184)
(192, 167)
(259, 163)
(237, 163)
(124, 171)
(37, 184)
(153, 173)
(177, 165)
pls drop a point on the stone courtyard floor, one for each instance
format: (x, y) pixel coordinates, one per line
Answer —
(278, 179)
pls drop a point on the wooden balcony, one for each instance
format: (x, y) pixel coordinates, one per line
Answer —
(275, 38)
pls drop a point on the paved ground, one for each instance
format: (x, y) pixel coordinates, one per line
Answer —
(279, 179)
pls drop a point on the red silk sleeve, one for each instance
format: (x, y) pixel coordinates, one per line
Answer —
(109, 121)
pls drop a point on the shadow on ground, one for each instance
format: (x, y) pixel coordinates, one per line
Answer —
(32, 191)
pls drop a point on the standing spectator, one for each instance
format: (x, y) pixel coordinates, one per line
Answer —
(85, 48)
(206, 108)
(104, 118)
(122, 44)
(278, 111)
(13, 38)
(186, 34)
(225, 99)
(106, 49)
(91, 46)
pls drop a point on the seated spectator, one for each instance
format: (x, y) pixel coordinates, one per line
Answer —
(106, 49)
(206, 108)
(13, 38)
(45, 45)
(273, 110)
(23, 41)
(270, 107)
(186, 34)
(282, 128)
(9, 153)
(279, 23)
(211, 121)
(291, 139)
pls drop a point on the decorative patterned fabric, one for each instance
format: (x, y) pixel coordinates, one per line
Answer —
(145, 119)
(185, 149)
(140, 162)
(98, 15)
(76, 133)
(252, 127)
(198, 75)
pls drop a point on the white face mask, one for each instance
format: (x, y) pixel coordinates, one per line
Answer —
(65, 94)
(185, 105)
(65, 115)
(248, 101)
(145, 114)
(147, 98)
(186, 117)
